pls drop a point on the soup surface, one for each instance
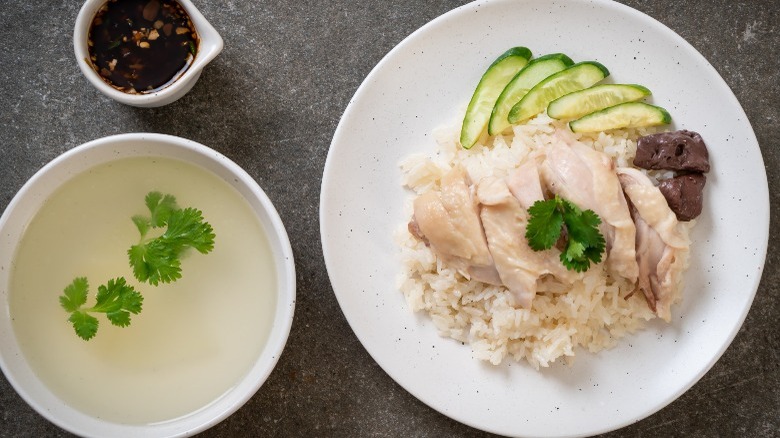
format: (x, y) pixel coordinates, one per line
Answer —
(195, 338)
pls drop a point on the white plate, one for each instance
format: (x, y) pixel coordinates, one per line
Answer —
(421, 84)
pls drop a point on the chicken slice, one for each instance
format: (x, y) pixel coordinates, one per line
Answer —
(448, 221)
(525, 182)
(658, 241)
(505, 220)
(587, 178)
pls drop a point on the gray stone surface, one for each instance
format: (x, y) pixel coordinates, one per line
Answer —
(290, 64)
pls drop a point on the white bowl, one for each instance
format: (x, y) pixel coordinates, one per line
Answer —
(209, 47)
(30, 199)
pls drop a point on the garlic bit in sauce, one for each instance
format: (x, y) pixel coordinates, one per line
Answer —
(141, 46)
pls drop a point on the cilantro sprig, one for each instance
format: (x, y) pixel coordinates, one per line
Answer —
(156, 260)
(153, 259)
(116, 299)
(584, 242)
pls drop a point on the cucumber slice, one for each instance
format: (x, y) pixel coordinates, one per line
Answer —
(579, 103)
(533, 73)
(575, 78)
(624, 115)
(495, 78)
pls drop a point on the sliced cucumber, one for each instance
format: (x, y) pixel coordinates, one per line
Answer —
(533, 73)
(493, 81)
(624, 115)
(577, 77)
(579, 103)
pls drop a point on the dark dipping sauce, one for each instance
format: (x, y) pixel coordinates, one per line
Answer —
(141, 46)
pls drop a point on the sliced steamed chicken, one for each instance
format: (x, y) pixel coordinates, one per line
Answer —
(658, 241)
(447, 220)
(504, 219)
(587, 178)
(525, 183)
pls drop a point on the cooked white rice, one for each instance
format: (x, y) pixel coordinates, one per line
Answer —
(592, 312)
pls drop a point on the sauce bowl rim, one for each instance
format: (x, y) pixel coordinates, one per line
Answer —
(209, 46)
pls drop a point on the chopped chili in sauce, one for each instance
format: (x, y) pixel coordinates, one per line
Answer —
(141, 46)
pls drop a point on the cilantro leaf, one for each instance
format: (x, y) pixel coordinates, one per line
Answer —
(142, 223)
(544, 224)
(573, 257)
(574, 250)
(160, 206)
(157, 260)
(85, 325)
(187, 228)
(583, 230)
(137, 253)
(584, 241)
(116, 299)
(75, 294)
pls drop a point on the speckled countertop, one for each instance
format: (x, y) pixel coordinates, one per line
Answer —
(288, 64)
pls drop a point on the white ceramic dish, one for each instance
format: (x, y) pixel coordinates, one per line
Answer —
(209, 47)
(422, 83)
(77, 160)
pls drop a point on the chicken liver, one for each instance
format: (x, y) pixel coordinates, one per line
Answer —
(684, 194)
(678, 150)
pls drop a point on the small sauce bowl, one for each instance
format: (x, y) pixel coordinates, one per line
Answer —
(209, 46)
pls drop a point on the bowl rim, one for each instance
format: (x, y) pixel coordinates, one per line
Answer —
(84, 157)
(209, 46)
